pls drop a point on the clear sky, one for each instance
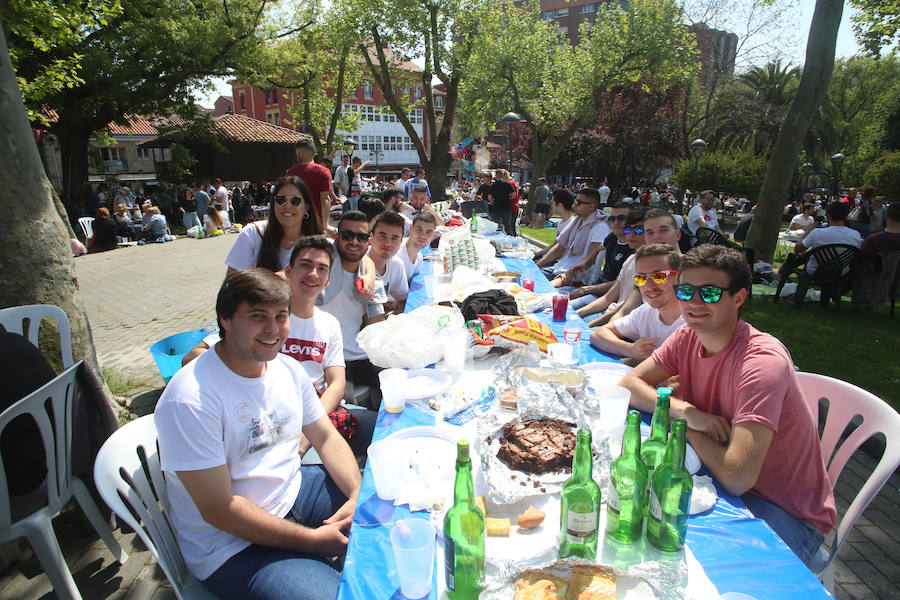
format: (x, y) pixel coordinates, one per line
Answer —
(846, 46)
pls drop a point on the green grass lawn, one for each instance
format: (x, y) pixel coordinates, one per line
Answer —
(862, 349)
(543, 234)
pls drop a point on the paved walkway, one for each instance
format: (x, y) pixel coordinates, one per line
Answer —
(135, 296)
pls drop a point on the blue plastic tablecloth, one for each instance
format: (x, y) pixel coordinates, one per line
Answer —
(738, 552)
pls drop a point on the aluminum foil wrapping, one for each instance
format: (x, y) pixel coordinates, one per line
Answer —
(653, 579)
(537, 400)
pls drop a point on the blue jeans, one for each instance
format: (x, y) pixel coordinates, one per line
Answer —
(259, 572)
(801, 537)
(190, 219)
(583, 301)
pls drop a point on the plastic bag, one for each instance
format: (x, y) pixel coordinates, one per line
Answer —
(410, 340)
(194, 231)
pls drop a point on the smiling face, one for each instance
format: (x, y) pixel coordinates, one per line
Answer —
(255, 332)
(655, 294)
(617, 221)
(661, 230)
(704, 318)
(386, 240)
(288, 215)
(309, 273)
(635, 240)
(707, 201)
(418, 199)
(352, 250)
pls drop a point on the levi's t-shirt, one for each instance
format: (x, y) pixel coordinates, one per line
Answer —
(316, 344)
(752, 379)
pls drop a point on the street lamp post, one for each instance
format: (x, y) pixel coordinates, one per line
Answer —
(698, 146)
(836, 161)
(806, 169)
(349, 145)
(510, 118)
(377, 155)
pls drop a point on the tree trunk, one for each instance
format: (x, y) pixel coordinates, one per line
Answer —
(436, 171)
(820, 47)
(36, 265)
(74, 142)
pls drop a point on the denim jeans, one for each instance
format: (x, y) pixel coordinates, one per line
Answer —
(583, 301)
(259, 572)
(190, 219)
(801, 537)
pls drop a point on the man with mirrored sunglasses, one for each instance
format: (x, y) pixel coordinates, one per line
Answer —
(656, 319)
(737, 389)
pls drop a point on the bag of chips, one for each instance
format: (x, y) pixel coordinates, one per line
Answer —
(513, 332)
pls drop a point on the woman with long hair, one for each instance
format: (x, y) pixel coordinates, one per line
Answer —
(212, 222)
(269, 243)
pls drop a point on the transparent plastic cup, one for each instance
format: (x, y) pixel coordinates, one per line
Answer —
(456, 345)
(393, 389)
(613, 410)
(386, 461)
(413, 544)
(560, 354)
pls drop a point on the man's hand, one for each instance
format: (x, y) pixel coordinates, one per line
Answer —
(330, 539)
(716, 427)
(643, 348)
(344, 513)
(304, 445)
(576, 293)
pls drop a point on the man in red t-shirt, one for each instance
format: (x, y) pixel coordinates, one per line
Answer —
(316, 177)
(738, 391)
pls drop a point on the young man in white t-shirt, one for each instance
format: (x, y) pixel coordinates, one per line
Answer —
(652, 322)
(250, 521)
(420, 235)
(803, 220)
(387, 237)
(704, 214)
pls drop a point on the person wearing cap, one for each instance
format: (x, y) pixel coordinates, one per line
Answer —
(316, 177)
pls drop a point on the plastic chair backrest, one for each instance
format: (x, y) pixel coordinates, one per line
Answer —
(51, 408)
(26, 321)
(833, 259)
(846, 401)
(129, 478)
(706, 235)
(87, 226)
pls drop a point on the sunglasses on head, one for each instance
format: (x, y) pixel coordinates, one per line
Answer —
(348, 235)
(708, 293)
(295, 200)
(658, 277)
(636, 229)
(618, 217)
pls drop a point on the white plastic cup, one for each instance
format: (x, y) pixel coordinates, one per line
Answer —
(393, 389)
(386, 461)
(456, 345)
(613, 407)
(413, 544)
(560, 354)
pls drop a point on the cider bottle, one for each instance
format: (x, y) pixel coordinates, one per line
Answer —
(580, 511)
(464, 531)
(627, 484)
(670, 495)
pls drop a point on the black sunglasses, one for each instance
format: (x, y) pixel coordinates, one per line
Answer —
(348, 235)
(295, 200)
(708, 293)
(637, 229)
(618, 217)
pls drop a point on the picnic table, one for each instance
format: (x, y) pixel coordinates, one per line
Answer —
(737, 552)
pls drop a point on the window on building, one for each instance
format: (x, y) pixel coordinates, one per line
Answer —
(273, 117)
(243, 101)
(439, 101)
(562, 12)
(588, 8)
(367, 90)
(111, 153)
(143, 153)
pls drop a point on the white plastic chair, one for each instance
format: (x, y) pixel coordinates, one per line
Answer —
(61, 485)
(87, 226)
(26, 320)
(846, 401)
(129, 478)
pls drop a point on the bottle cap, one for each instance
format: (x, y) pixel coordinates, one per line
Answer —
(462, 450)
(664, 391)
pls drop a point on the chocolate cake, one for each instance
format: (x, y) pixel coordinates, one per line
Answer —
(538, 445)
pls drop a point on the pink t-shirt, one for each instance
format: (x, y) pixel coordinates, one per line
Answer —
(752, 380)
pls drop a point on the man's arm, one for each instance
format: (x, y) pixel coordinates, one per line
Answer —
(336, 380)
(598, 289)
(601, 303)
(631, 302)
(609, 339)
(736, 465)
(430, 208)
(325, 201)
(552, 254)
(583, 265)
(340, 463)
(642, 382)
(210, 489)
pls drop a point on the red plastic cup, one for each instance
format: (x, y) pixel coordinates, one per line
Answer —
(528, 284)
(560, 305)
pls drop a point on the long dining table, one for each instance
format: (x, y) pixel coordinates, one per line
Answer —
(737, 552)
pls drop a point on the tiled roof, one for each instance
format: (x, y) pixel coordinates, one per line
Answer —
(239, 128)
(134, 125)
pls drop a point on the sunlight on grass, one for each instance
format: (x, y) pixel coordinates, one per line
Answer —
(543, 234)
(119, 383)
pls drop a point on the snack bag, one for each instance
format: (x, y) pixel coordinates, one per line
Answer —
(521, 331)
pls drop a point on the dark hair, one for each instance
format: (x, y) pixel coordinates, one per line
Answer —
(656, 213)
(316, 242)
(253, 286)
(868, 191)
(353, 215)
(729, 260)
(809, 206)
(892, 212)
(659, 250)
(102, 213)
(838, 211)
(635, 216)
(420, 170)
(271, 238)
(591, 193)
(390, 218)
(621, 205)
(420, 188)
(371, 207)
(390, 193)
(563, 196)
(424, 215)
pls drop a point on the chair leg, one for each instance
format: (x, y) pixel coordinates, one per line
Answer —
(43, 541)
(827, 577)
(101, 526)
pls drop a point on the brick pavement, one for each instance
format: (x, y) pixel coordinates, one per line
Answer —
(135, 296)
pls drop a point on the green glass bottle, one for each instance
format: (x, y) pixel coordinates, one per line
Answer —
(464, 533)
(473, 223)
(654, 447)
(580, 512)
(670, 495)
(627, 485)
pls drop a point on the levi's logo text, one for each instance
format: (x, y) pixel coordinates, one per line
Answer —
(304, 350)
